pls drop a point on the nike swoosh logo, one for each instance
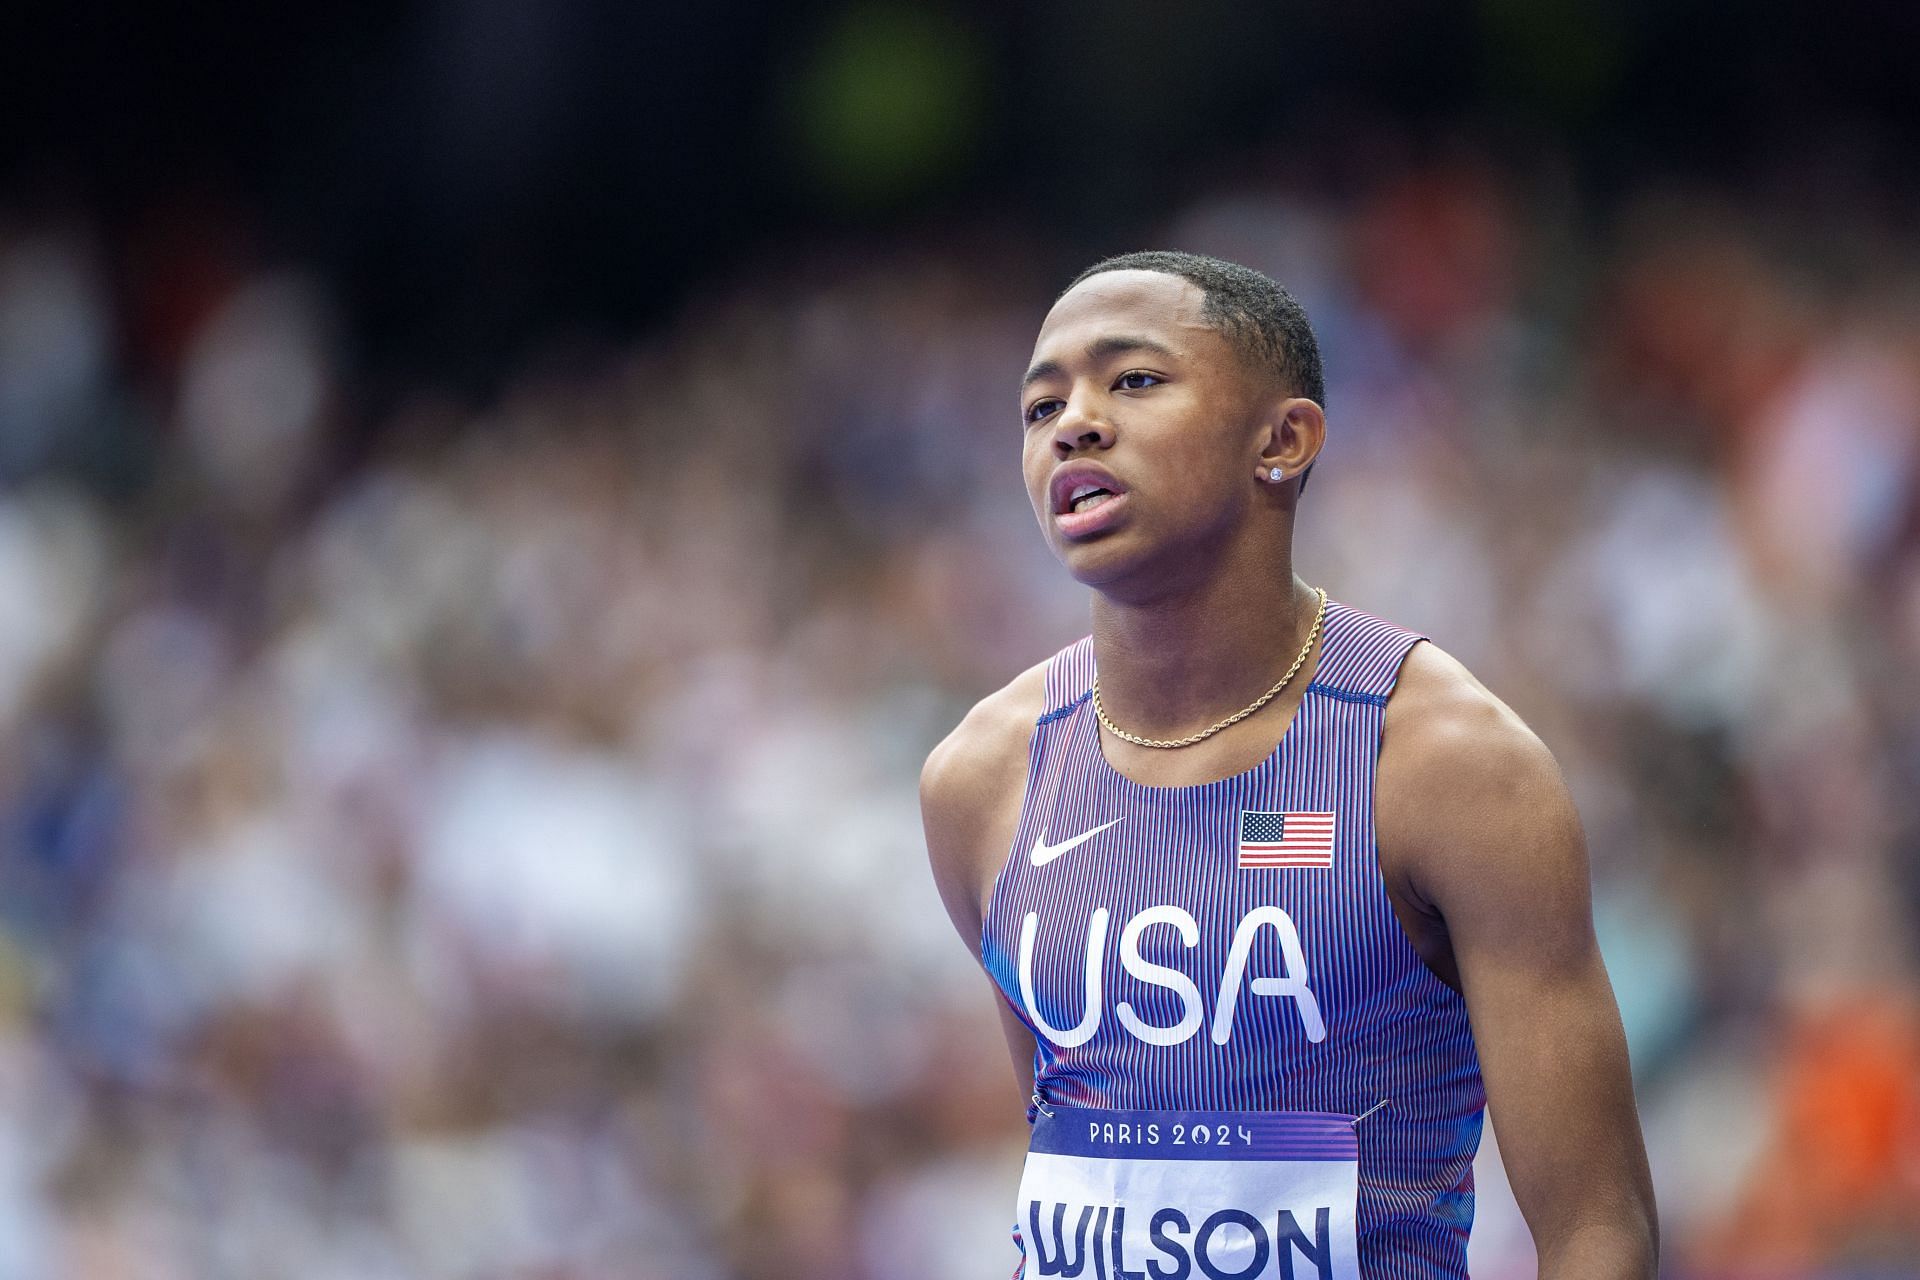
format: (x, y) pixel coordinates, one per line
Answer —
(1043, 853)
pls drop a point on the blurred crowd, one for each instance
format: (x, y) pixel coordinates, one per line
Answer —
(483, 842)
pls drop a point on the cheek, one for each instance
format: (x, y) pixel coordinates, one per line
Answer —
(1198, 487)
(1035, 467)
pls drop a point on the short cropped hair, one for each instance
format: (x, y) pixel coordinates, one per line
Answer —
(1252, 311)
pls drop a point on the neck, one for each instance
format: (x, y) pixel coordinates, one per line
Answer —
(1176, 664)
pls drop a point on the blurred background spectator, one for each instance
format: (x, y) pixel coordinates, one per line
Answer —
(499, 500)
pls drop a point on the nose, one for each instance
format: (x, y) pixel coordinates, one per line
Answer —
(1075, 430)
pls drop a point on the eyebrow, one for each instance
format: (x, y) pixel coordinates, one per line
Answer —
(1098, 351)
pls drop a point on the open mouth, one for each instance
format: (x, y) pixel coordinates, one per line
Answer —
(1086, 497)
(1081, 487)
(1086, 500)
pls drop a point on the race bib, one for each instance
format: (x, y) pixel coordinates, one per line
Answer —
(1189, 1195)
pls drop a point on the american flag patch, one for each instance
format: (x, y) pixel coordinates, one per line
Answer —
(1285, 839)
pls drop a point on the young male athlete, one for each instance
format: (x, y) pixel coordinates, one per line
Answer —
(1277, 899)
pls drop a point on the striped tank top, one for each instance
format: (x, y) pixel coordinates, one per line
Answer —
(1299, 991)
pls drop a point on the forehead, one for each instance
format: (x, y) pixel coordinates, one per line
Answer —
(1151, 303)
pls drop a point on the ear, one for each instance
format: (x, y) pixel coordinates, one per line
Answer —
(1295, 430)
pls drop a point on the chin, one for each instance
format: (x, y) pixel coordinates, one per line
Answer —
(1107, 562)
(1127, 565)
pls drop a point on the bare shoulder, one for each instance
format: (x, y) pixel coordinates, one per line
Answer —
(1439, 708)
(976, 753)
(1466, 790)
(970, 790)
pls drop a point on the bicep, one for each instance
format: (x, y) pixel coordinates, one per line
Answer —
(970, 794)
(960, 892)
(948, 797)
(969, 806)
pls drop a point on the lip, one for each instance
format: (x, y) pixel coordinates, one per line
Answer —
(1071, 476)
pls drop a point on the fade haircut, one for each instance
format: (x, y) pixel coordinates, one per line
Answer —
(1264, 322)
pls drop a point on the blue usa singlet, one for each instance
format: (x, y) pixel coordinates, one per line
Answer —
(1242, 1066)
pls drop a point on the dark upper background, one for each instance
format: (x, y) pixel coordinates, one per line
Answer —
(475, 177)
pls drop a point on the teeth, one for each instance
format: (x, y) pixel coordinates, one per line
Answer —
(1085, 497)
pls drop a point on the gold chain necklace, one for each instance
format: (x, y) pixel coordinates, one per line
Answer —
(1100, 710)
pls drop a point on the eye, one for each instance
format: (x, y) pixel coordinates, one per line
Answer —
(1040, 409)
(1127, 380)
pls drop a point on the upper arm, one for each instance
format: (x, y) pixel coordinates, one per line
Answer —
(969, 804)
(950, 792)
(970, 792)
(1483, 823)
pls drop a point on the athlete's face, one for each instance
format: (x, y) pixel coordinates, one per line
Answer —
(1132, 394)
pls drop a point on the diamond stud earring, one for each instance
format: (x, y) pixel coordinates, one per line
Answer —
(1275, 474)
